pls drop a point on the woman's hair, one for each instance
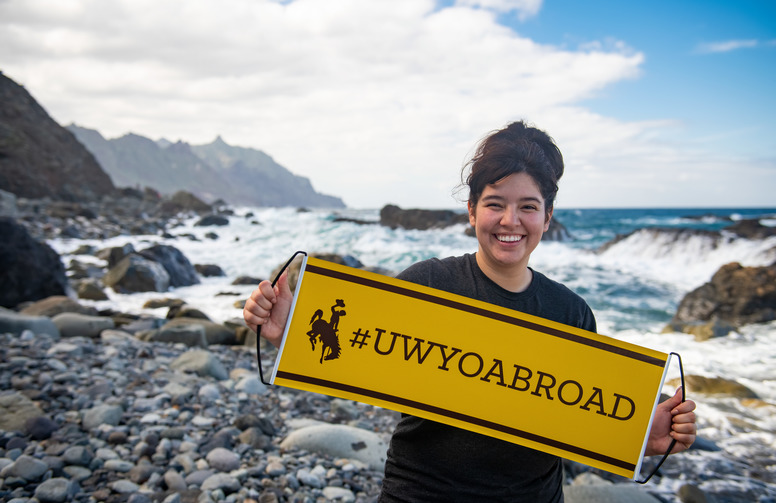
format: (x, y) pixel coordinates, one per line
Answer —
(516, 148)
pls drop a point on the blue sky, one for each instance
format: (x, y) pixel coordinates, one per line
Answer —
(665, 104)
(709, 64)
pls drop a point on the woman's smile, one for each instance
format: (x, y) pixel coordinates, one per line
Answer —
(509, 220)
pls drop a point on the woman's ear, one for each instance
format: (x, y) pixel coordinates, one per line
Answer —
(547, 219)
(472, 211)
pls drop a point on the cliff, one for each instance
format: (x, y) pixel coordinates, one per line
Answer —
(38, 157)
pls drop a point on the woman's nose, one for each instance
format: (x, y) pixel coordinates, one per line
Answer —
(510, 217)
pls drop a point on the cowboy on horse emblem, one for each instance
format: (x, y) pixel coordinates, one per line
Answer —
(326, 331)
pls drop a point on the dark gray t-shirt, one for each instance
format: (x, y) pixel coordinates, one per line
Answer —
(433, 462)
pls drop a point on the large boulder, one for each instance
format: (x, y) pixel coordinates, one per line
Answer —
(736, 294)
(135, 273)
(340, 441)
(392, 216)
(180, 270)
(29, 270)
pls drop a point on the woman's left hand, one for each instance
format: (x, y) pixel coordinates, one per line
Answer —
(674, 419)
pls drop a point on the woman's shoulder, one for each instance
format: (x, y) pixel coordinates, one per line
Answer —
(439, 269)
(555, 288)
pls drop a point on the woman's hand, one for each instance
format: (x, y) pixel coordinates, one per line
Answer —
(674, 419)
(269, 308)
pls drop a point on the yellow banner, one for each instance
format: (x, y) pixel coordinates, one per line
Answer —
(534, 382)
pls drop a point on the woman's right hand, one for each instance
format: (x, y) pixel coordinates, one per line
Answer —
(269, 307)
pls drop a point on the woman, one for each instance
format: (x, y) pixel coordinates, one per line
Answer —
(512, 184)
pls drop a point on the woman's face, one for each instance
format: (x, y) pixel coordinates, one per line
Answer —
(509, 220)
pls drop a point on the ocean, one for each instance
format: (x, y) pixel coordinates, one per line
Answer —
(633, 287)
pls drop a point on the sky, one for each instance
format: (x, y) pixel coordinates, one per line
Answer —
(653, 104)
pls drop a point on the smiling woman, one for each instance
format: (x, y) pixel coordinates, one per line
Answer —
(512, 185)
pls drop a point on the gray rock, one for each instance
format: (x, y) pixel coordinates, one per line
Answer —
(56, 490)
(198, 477)
(223, 460)
(174, 481)
(209, 393)
(309, 479)
(222, 481)
(615, 493)
(137, 274)
(251, 385)
(91, 289)
(26, 467)
(118, 465)
(178, 267)
(77, 455)
(339, 494)
(124, 486)
(30, 270)
(7, 204)
(82, 325)
(15, 410)
(15, 323)
(190, 334)
(215, 333)
(55, 304)
(340, 441)
(40, 428)
(101, 414)
(202, 362)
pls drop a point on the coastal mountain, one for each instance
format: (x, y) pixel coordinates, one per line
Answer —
(213, 171)
(38, 157)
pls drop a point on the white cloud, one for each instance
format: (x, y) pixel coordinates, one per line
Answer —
(376, 101)
(727, 46)
(524, 8)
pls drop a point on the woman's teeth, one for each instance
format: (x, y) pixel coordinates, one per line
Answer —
(508, 238)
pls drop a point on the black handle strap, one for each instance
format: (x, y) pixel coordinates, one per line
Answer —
(258, 327)
(673, 441)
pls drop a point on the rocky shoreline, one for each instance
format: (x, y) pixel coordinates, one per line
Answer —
(107, 406)
(114, 418)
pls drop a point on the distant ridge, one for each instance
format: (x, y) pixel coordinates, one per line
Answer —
(217, 170)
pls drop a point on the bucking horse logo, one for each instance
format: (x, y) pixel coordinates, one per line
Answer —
(326, 332)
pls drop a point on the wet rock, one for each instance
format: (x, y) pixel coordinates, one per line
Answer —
(736, 295)
(135, 273)
(91, 289)
(392, 216)
(178, 267)
(81, 325)
(202, 363)
(29, 270)
(209, 270)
